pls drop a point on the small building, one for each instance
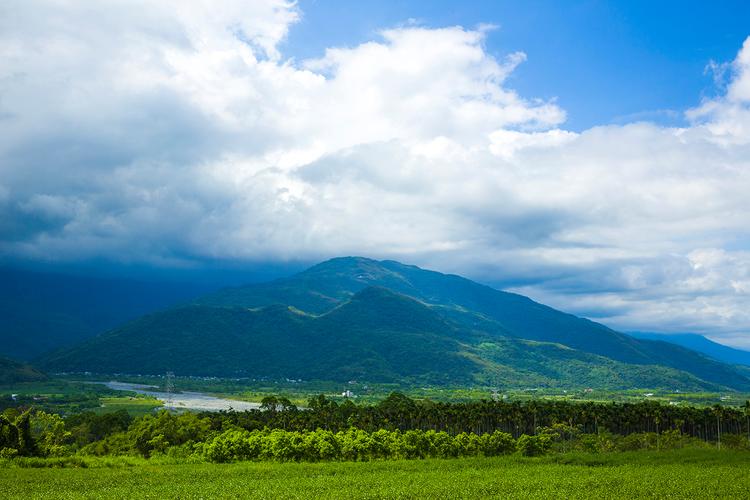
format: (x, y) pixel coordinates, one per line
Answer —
(14, 397)
(347, 394)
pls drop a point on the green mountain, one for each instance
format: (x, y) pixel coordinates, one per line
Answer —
(42, 311)
(12, 372)
(373, 335)
(384, 321)
(474, 306)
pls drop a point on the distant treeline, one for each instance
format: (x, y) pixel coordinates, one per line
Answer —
(398, 427)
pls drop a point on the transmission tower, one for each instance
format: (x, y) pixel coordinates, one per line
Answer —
(495, 391)
(169, 388)
(495, 394)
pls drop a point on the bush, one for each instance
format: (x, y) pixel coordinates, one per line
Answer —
(533, 446)
(352, 445)
(735, 441)
(596, 443)
(230, 446)
(637, 441)
(497, 443)
(151, 434)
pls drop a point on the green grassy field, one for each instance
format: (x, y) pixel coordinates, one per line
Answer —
(679, 474)
(135, 405)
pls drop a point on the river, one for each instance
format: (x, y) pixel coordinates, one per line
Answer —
(185, 400)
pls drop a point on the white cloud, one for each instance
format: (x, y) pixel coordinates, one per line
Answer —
(172, 132)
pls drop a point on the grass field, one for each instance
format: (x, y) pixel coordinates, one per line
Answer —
(135, 405)
(679, 474)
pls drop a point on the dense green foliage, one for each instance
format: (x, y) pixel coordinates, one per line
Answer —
(359, 319)
(553, 449)
(13, 372)
(684, 473)
(358, 445)
(397, 427)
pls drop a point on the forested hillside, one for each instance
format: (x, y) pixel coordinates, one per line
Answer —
(355, 318)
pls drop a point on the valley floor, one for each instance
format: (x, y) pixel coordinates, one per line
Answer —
(675, 474)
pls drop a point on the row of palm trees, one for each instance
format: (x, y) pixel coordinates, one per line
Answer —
(516, 418)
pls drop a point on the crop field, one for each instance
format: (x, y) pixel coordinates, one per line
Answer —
(677, 474)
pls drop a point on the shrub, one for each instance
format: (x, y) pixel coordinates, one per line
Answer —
(497, 443)
(533, 446)
(735, 441)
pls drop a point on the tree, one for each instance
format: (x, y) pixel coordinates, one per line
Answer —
(8, 438)
(50, 434)
(26, 444)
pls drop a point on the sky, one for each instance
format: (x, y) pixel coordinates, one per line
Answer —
(592, 155)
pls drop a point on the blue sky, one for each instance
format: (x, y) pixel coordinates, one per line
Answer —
(605, 62)
(579, 152)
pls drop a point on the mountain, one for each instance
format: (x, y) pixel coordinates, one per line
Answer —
(473, 306)
(12, 372)
(701, 344)
(384, 321)
(41, 311)
(377, 334)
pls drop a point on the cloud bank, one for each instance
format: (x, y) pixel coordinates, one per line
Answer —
(174, 134)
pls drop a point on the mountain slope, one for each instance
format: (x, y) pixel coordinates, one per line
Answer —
(40, 312)
(474, 307)
(701, 344)
(377, 335)
(12, 372)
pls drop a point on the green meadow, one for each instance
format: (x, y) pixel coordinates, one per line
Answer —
(673, 474)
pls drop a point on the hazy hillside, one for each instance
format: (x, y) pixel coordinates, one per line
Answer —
(701, 344)
(40, 312)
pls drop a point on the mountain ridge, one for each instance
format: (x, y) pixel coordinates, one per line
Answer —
(700, 343)
(42, 311)
(12, 371)
(363, 318)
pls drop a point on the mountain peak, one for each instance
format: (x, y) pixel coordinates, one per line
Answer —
(363, 305)
(350, 265)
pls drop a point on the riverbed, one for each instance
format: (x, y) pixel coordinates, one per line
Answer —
(184, 400)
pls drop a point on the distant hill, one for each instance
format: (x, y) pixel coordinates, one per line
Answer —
(701, 344)
(40, 312)
(13, 371)
(385, 321)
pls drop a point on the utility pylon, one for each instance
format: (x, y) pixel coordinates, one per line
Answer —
(169, 388)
